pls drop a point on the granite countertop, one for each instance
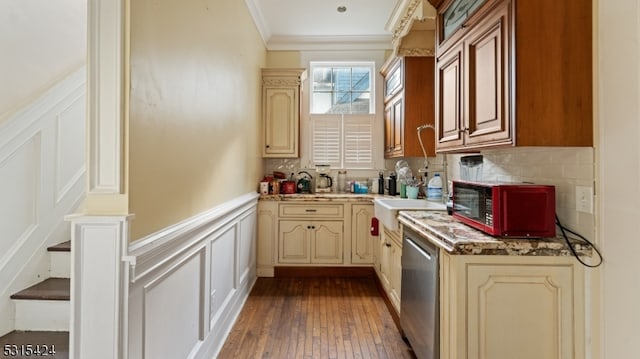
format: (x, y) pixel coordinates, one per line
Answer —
(324, 197)
(456, 237)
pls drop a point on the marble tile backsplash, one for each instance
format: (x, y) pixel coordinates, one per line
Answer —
(565, 168)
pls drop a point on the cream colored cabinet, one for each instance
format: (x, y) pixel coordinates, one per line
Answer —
(362, 242)
(511, 307)
(303, 242)
(390, 272)
(281, 112)
(314, 233)
(267, 237)
(311, 233)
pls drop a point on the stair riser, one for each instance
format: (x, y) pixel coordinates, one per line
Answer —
(42, 315)
(60, 264)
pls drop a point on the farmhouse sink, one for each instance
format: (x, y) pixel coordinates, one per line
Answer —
(386, 209)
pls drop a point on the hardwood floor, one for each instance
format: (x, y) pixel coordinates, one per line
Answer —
(315, 318)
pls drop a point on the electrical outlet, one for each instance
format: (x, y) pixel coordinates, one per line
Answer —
(584, 199)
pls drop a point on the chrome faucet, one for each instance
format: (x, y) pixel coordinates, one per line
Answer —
(445, 177)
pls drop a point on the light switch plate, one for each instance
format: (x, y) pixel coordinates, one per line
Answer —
(584, 199)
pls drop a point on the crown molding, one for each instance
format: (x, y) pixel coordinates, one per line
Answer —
(404, 15)
(258, 20)
(310, 43)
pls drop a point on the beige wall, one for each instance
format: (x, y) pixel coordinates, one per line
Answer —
(618, 174)
(283, 59)
(195, 108)
(41, 43)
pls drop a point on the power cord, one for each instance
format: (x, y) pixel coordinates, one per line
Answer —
(573, 250)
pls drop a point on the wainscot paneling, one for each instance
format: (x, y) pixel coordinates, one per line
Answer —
(188, 282)
(42, 171)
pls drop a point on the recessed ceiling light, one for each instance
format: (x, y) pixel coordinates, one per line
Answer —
(342, 8)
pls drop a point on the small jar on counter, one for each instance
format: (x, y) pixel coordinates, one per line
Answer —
(342, 181)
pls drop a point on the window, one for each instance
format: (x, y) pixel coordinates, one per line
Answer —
(342, 115)
(341, 88)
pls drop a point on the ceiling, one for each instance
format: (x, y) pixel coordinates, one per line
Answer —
(317, 24)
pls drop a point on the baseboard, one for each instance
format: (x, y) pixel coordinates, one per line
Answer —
(350, 272)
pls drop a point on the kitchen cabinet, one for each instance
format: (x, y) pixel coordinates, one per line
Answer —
(513, 73)
(314, 233)
(267, 238)
(281, 111)
(303, 242)
(511, 307)
(390, 266)
(408, 103)
(362, 242)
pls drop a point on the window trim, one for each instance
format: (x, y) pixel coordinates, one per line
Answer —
(378, 57)
(351, 64)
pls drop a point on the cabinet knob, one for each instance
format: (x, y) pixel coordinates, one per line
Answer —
(388, 244)
(267, 146)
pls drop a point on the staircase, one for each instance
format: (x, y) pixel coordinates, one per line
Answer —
(42, 313)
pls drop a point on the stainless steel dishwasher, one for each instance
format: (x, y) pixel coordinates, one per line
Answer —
(419, 314)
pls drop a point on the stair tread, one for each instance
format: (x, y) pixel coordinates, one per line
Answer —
(57, 340)
(61, 247)
(49, 289)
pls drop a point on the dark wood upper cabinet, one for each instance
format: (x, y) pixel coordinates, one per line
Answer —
(514, 73)
(409, 103)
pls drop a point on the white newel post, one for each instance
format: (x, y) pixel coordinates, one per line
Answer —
(99, 286)
(100, 235)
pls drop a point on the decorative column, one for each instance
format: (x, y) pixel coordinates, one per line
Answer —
(100, 235)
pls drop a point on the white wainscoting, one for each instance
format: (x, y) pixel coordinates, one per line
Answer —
(42, 171)
(189, 283)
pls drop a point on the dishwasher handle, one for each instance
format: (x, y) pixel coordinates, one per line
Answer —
(418, 248)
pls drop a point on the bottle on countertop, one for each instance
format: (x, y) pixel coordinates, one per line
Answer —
(342, 181)
(381, 183)
(434, 188)
(392, 184)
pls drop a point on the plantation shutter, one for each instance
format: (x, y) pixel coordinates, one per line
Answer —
(358, 141)
(343, 141)
(326, 138)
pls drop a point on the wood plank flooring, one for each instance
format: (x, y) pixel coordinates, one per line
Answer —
(315, 318)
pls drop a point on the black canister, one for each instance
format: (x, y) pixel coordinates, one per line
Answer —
(392, 184)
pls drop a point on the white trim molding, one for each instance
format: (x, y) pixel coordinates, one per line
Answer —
(173, 294)
(106, 93)
(42, 178)
(98, 286)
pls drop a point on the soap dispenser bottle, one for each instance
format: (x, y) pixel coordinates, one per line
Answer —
(381, 183)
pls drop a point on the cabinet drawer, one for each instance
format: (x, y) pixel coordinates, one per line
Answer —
(311, 210)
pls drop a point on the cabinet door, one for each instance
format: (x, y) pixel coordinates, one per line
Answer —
(398, 124)
(293, 242)
(449, 99)
(385, 264)
(281, 114)
(267, 234)
(394, 127)
(395, 275)
(388, 129)
(521, 311)
(327, 242)
(486, 106)
(361, 239)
